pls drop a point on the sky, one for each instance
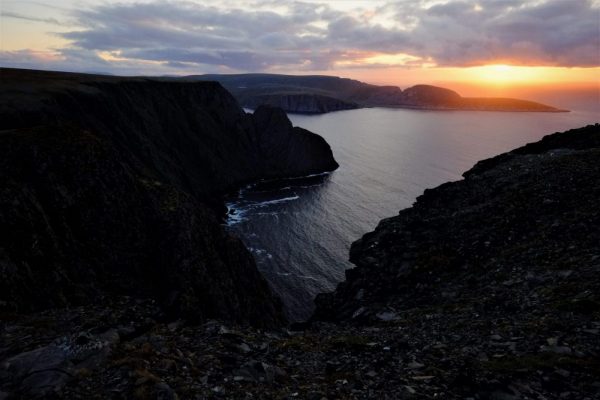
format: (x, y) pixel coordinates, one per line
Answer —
(497, 43)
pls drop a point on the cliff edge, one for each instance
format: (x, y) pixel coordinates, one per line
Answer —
(516, 220)
(110, 186)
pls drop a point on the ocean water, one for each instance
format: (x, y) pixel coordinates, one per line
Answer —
(300, 230)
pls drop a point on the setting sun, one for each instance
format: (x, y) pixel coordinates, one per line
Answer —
(502, 74)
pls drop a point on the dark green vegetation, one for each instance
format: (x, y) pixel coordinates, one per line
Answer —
(113, 185)
(319, 94)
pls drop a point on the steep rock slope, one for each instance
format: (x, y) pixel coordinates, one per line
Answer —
(489, 287)
(515, 221)
(109, 186)
(193, 134)
(303, 103)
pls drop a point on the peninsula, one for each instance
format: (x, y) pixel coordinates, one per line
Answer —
(316, 94)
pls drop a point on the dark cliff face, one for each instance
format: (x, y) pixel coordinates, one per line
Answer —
(301, 103)
(192, 134)
(108, 185)
(286, 151)
(520, 224)
(79, 223)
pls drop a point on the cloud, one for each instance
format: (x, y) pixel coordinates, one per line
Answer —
(53, 21)
(239, 39)
(182, 36)
(555, 33)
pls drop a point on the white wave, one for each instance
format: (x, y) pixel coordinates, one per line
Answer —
(310, 176)
(236, 211)
(272, 214)
(276, 201)
(308, 186)
(260, 252)
(274, 189)
(291, 178)
(235, 217)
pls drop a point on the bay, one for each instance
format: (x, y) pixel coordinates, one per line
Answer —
(300, 230)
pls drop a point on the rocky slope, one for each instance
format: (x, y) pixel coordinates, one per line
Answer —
(485, 289)
(320, 94)
(110, 185)
(515, 218)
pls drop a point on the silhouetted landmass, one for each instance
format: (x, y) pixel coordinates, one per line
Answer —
(113, 185)
(320, 94)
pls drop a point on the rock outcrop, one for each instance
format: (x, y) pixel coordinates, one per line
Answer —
(110, 185)
(498, 272)
(320, 94)
(517, 220)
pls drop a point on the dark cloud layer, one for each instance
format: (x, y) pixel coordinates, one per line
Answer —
(312, 36)
(562, 33)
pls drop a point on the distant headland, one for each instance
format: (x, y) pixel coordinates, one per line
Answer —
(317, 94)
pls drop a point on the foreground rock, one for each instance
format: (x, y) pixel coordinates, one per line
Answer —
(113, 185)
(445, 303)
(500, 271)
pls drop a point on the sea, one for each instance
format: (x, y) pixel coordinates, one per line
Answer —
(300, 230)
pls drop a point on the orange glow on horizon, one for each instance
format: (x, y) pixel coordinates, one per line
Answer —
(493, 76)
(501, 74)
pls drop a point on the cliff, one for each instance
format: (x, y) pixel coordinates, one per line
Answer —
(520, 216)
(486, 288)
(495, 276)
(109, 186)
(320, 94)
(301, 103)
